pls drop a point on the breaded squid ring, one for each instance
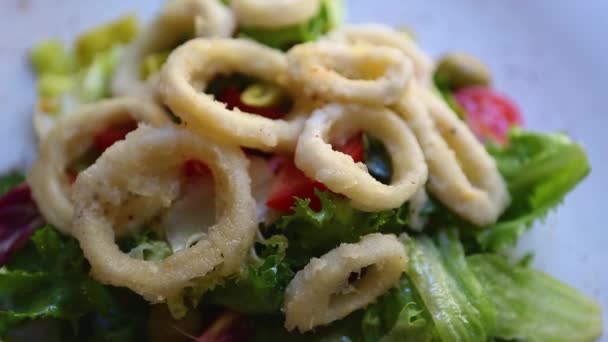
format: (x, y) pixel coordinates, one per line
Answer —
(350, 73)
(315, 156)
(42, 122)
(381, 35)
(274, 13)
(320, 293)
(142, 175)
(178, 20)
(461, 172)
(70, 138)
(193, 65)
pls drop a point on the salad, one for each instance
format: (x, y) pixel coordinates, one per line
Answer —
(250, 170)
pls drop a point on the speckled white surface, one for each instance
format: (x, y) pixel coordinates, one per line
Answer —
(548, 55)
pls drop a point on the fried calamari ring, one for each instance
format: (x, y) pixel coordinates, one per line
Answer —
(461, 172)
(350, 73)
(417, 218)
(179, 20)
(315, 156)
(193, 65)
(42, 121)
(321, 293)
(381, 35)
(274, 13)
(141, 175)
(70, 137)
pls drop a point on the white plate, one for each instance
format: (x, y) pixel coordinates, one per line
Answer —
(549, 56)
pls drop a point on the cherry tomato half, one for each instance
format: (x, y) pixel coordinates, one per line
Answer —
(291, 182)
(489, 115)
(106, 138)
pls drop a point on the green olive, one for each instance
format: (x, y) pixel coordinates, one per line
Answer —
(262, 95)
(163, 327)
(457, 70)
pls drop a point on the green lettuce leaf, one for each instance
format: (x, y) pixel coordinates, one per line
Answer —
(532, 306)
(459, 306)
(312, 234)
(261, 288)
(540, 169)
(48, 278)
(327, 19)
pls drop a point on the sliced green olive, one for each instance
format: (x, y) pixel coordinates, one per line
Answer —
(163, 327)
(152, 64)
(262, 95)
(458, 70)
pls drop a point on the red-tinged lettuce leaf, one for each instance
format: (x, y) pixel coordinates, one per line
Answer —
(19, 216)
(9, 181)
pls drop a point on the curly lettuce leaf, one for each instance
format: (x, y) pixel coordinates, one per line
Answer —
(48, 278)
(147, 246)
(540, 169)
(458, 305)
(313, 233)
(399, 315)
(327, 19)
(533, 306)
(261, 288)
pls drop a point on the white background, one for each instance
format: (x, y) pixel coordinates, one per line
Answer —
(548, 55)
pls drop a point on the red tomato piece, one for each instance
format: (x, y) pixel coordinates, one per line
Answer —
(112, 134)
(353, 147)
(291, 182)
(231, 96)
(194, 169)
(71, 176)
(276, 163)
(489, 115)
